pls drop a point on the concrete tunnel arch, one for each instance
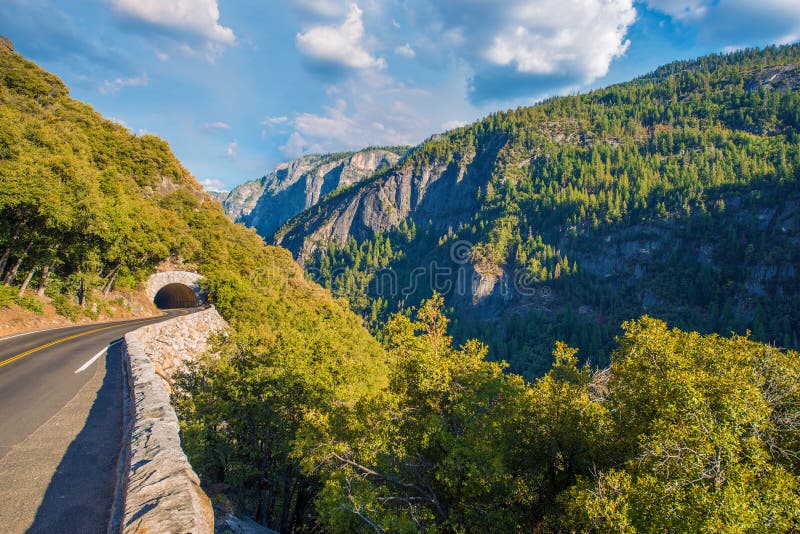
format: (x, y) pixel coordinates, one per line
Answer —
(175, 289)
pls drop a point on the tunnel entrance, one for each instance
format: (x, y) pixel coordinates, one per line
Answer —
(173, 296)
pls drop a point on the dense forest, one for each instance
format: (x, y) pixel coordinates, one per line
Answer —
(304, 421)
(681, 433)
(675, 194)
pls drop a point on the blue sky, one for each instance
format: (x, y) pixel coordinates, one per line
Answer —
(238, 86)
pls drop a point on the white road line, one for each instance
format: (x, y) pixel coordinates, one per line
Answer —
(93, 359)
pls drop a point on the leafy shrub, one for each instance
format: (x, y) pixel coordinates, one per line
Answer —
(66, 308)
(30, 303)
(7, 296)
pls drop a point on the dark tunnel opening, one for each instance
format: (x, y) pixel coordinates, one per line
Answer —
(173, 296)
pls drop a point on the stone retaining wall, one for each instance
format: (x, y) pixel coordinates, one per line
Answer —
(158, 490)
(171, 343)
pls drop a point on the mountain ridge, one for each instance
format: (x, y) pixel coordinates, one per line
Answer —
(673, 171)
(267, 203)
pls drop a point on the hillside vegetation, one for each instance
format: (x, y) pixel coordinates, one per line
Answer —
(675, 194)
(682, 433)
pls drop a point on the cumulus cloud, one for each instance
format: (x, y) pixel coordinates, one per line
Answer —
(200, 17)
(212, 184)
(405, 51)
(531, 45)
(342, 46)
(112, 86)
(373, 109)
(216, 126)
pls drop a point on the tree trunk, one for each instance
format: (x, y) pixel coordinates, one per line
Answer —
(286, 508)
(12, 274)
(26, 282)
(81, 293)
(110, 283)
(43, 281)
(4, 260)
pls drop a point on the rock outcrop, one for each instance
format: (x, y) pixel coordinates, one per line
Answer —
(442, 193)
(267, 203)
(161, 491)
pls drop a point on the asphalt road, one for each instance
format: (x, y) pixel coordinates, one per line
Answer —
(61, 426)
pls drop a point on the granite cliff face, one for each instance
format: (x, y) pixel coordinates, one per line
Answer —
(439, 192)
(269, 202)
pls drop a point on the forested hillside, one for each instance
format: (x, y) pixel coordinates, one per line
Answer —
(85, 205)
(675, 194)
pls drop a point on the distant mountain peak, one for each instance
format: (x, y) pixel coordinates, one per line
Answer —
(267, 203)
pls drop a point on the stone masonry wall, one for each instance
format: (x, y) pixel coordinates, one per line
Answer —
(170, 343)
(159, 491)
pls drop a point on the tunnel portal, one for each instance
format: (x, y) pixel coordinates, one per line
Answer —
(173, 296)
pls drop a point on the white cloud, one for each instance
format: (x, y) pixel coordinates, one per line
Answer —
(405, 51)
(216, 126)
(274, 124)
(296, 146)
(563, 38)
(112, 86)
(199, 17)
(339, 46)
(524, 47)
(230, 152)
(272, 121)
(452, 125)
(373, 109)
(212, 184)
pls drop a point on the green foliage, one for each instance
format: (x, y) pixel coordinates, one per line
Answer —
(710, 440)
(30, 303)
(682, 432)
(66, 308)
(667, 195)
(10, 295)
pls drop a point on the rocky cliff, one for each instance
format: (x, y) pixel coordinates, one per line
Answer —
(267, 203)
(434, 191)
